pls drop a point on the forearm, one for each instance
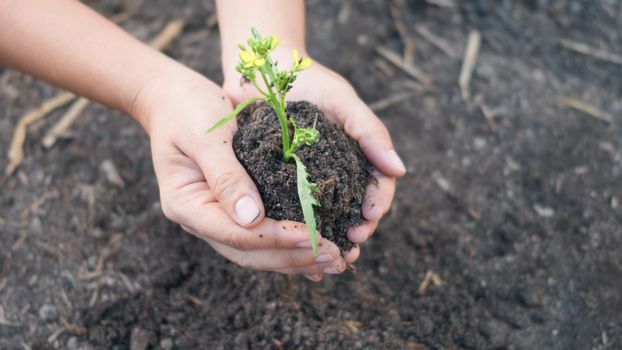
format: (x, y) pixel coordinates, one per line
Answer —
(283, 18)
(69, 45)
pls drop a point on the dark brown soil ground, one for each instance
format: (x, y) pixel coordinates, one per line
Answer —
(518, 215)
(335, 163)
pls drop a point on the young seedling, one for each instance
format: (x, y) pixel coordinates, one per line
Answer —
(257, 65)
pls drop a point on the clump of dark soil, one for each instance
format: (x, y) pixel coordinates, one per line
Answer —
(336, 164)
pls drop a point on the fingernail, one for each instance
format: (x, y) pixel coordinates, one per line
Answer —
(247, 210)
(395, 160)
(331, 270)
(308, 244)
(314, 278)
(324, 258)
(304, 244)
(359, 234)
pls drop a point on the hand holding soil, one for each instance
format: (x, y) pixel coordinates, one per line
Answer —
(341, 105)
(203, 186)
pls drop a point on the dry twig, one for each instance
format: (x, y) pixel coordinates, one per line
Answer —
(391, 100)
(38, 202)
(128, 13)
(195, 300)
(16, 149)
(430, 277)
(591, 51)
(409, 68)
(167, 35)
(468, 64)
(20, 241)
(66, 328)
(436, 41)
(65, 121)
(110, 248)
(489, 115)
(409, 42)
(585, 108)
(442, 3)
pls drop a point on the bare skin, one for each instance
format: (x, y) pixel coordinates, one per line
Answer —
(286, 20)
(202, 185)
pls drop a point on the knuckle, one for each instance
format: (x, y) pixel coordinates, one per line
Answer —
(224, 185)
(169, 209)
(244, 262)
(233, 240)
(291, 261)
(377, 128)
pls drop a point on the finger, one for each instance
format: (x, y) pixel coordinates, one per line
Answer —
(362, 125)
(334, 268)
(378, 197)
(337, 267)
(362, 232)
(208, 221)
(227, 178)
(315, 277)
(351, 255)
(298, 260)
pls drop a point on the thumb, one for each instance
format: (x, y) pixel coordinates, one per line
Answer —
(228, 180)
(372, 136)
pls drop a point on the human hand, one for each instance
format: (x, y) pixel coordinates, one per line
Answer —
(206, 190)
(336, 97)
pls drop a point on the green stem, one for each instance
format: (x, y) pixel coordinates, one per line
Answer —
(280, 113)
(258, 88)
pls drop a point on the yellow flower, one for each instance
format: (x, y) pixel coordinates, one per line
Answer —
(250, 59)
(300, 63)
(306, 62)
(296, 56)
(274, 42)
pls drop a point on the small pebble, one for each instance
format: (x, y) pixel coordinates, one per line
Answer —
(479, 142)
(72, 343)
(166, 344)
(544, 212)
(48, 313)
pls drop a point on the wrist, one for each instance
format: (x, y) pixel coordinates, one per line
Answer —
(168, 84)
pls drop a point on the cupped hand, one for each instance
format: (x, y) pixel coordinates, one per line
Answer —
(339, 101)
(207, 191)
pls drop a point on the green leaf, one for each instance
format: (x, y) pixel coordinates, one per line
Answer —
(307, 201)
(255, 33)
(233, 114)
(306, 136)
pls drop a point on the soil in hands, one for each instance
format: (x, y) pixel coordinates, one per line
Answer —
(336, 164)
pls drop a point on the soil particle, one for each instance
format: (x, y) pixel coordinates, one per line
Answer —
(336, 164)
(141, 339)
(48, 313)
